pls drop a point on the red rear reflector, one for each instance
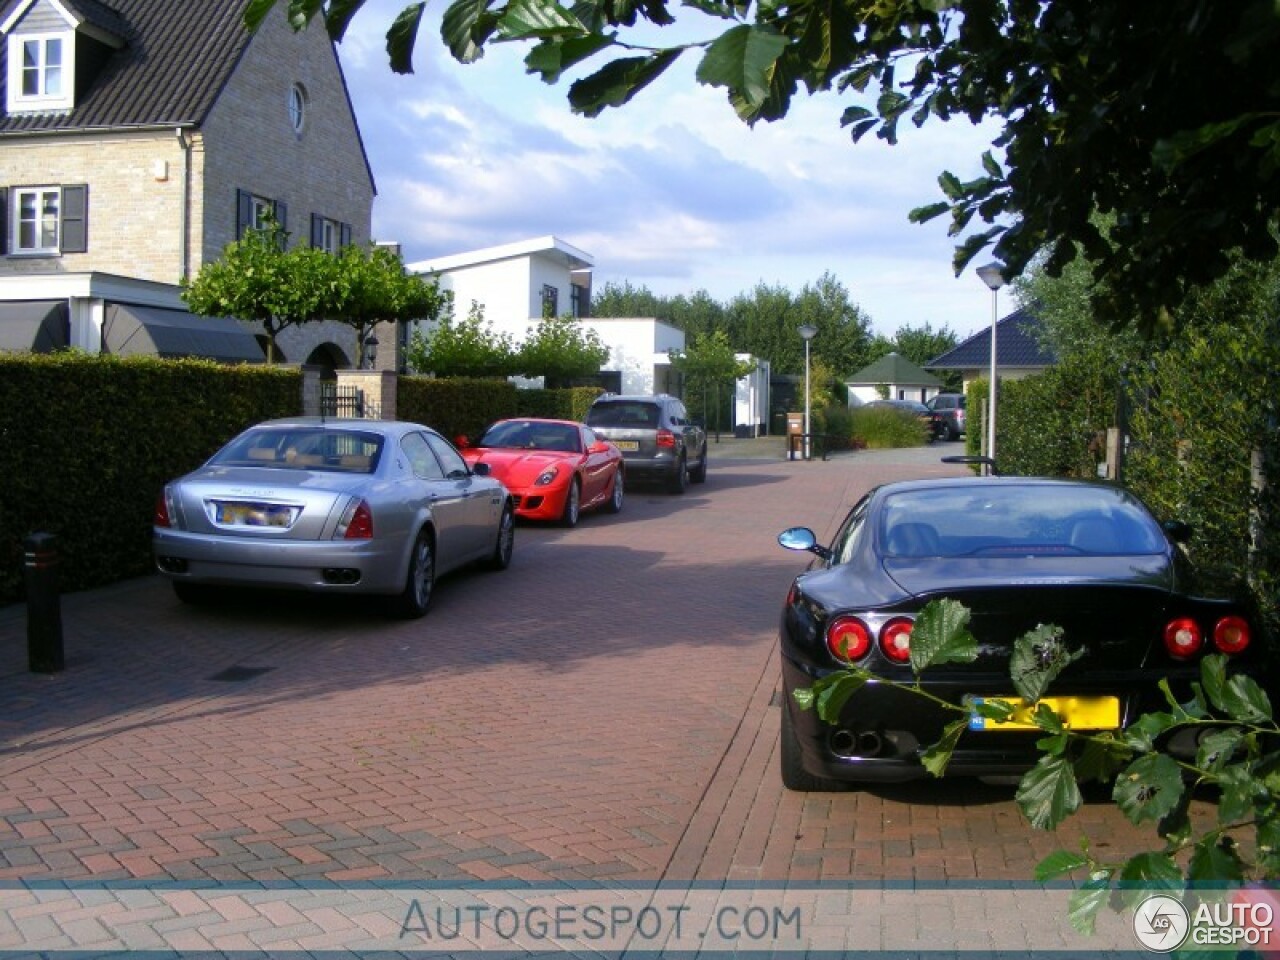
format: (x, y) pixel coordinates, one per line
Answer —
(1182, 637)
(1231, 634)
(161, 518)
(895, 640)
(848, 639)
(666, 438)
(360, 526)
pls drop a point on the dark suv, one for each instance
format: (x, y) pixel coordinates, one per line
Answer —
(657, 439)
(950, 406)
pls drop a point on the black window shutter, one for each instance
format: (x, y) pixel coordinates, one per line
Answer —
(282, 214)
(344, 234)
(244, 212)
(317, 230)
(75, 218)
(4, 219)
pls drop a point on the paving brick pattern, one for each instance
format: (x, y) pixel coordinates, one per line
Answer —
(604, 709)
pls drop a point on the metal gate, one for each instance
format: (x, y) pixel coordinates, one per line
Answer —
(342, 400)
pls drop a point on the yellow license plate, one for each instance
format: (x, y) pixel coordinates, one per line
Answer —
(627, 444)
(1078, 713)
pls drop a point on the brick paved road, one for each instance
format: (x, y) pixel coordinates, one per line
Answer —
(601, 710)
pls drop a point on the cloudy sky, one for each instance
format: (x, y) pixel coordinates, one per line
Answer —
(671, 192)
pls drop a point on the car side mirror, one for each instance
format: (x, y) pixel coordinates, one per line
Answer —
(802, 539)
(1177, 530)
(480, 469)
(600, 446)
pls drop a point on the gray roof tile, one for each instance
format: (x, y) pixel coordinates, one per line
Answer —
(1017, 345)
(176, 58)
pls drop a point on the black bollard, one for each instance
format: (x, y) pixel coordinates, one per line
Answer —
(44, 610)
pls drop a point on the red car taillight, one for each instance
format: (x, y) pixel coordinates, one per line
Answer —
(1231, 634)
(357, 522)
(161, 517)
(666, 438)
(848, 639)
(1182, 637)
(895, 640)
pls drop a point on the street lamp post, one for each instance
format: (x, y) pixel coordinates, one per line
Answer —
(992, 275)
(807, 332)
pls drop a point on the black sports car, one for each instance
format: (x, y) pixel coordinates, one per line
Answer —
(1018, 553)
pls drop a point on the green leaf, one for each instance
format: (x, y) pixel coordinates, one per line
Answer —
(1149, 788)
(467, 24)
(255, 12)
(538, 18)
(402, 35)
(1146, 872)
(951, 186)
(618, 81)
(804, 697)
(743, 59)
(1048, 793)
(1217, 748)
(926, 213)
(936, 758)
(1101, 759)
(552, 57)
(1238, 788)
(989, 164)
(1038, 657)
(1215, 861)
(940, 635)
(1142, 733)
(1058, 863)
(1083, 907)
(338, 16)
(835, 691)
(991, 709)
(854, 114)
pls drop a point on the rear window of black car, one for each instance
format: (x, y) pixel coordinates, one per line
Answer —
(637, 414)
(1017, 520)
(343, 451)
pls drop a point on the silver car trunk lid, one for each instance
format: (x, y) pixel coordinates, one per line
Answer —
(259, 502)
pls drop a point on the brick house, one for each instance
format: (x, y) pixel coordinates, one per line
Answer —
(137, 139)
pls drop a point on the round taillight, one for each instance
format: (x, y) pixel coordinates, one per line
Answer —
(1182, 637)
(848, 639)
(895, 640)
(1231, 634)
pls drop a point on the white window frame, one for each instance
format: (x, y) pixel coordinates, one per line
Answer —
(297, 108)
(330, 231)
(263, 210)
(43, 99)
(37, 222)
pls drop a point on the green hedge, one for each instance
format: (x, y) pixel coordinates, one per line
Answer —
(87, 443)
(461, 406)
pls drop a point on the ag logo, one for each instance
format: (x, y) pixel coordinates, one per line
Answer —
(1161, 923)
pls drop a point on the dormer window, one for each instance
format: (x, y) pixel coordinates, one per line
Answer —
(40, 71)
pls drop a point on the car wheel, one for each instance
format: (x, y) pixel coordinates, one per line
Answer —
(195, 594)
(501, 556)
(794, 775)
(699, 473)
(615, 498)
(421, 580)
(680, 479)
(572, 505)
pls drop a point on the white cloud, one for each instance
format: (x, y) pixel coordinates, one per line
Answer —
(671, 192)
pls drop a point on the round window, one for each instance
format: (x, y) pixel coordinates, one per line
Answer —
(297, 107)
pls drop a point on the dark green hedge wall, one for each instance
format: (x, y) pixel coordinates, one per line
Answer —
(87, 443)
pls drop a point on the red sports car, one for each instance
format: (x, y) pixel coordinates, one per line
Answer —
(554, 469)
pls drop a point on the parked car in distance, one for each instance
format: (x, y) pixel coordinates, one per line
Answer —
(935, 427)
(1018, 552)
(554, 469)
(950, 407)
(658, 441)
(335, 506)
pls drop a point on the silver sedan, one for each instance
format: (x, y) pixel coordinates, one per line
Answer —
(341, 506)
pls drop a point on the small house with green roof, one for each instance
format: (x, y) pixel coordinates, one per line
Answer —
(892, 377)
